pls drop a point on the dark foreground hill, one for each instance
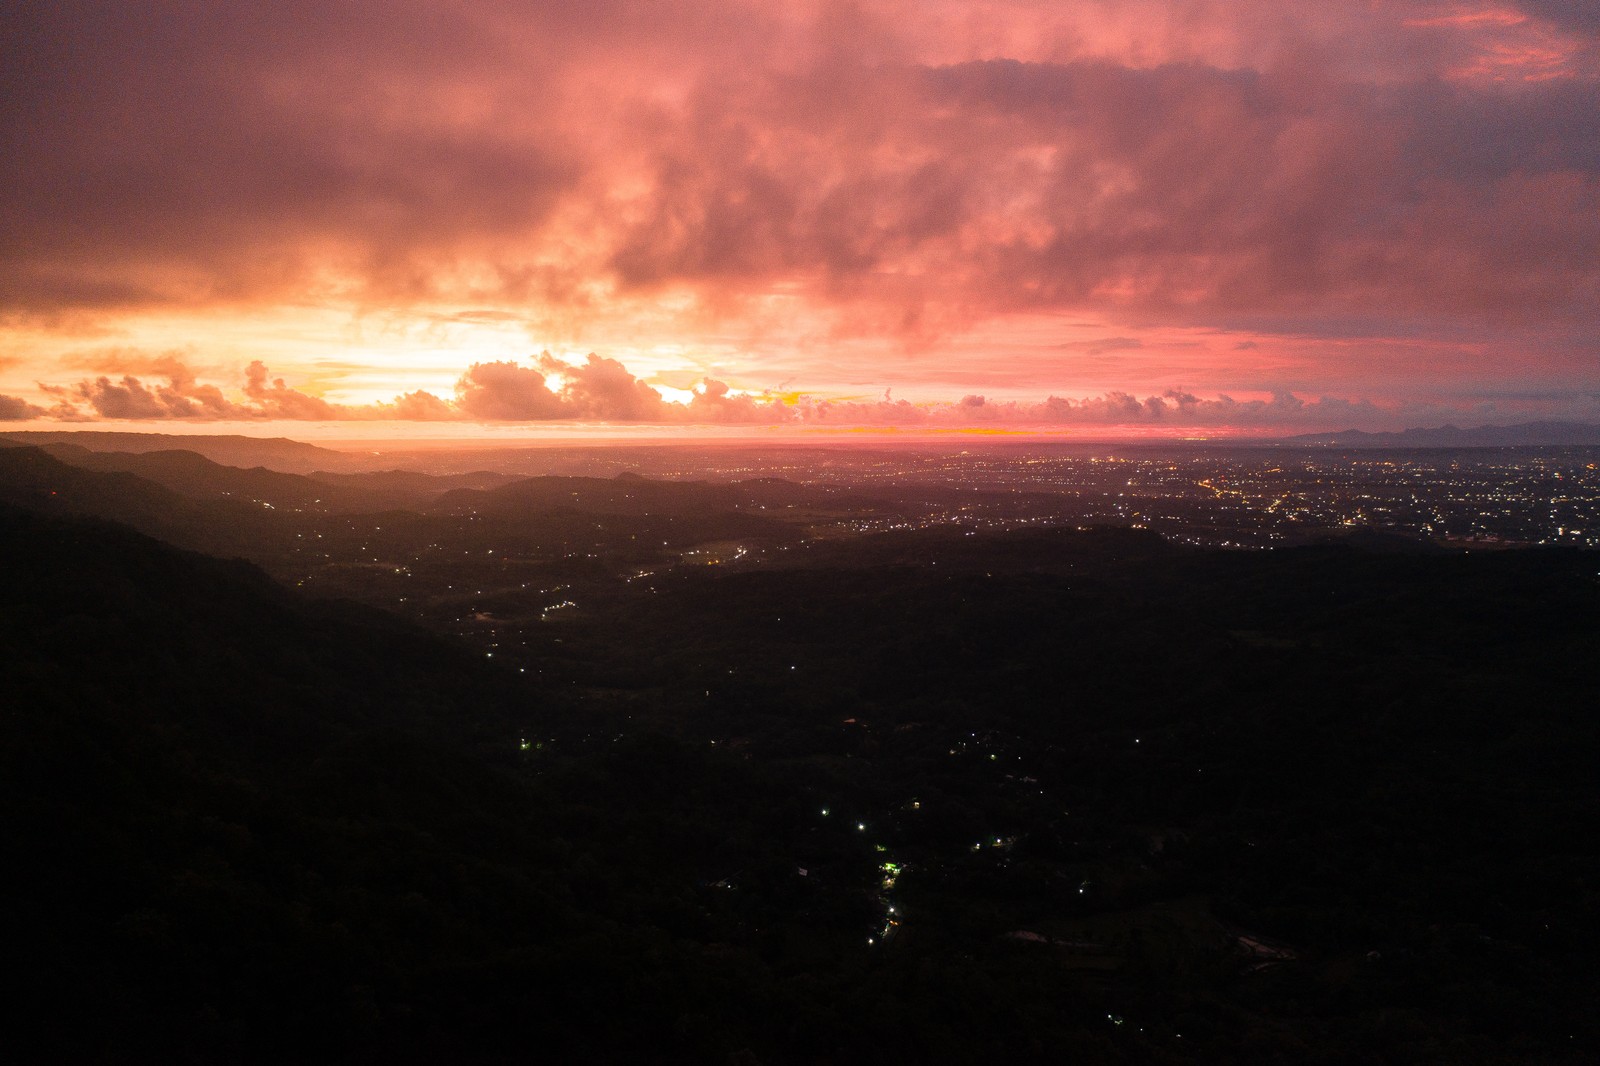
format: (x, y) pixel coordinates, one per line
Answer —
(242, 826)
(222, 804)
(1048, 797)
(228, 526)
(192, 474)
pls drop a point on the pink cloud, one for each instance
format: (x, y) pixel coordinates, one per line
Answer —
(16, 409)
(506, 391)
(908, 175)
(419, 406)
(181, 397)
(713, 402)
(601, 389)
(276, 400)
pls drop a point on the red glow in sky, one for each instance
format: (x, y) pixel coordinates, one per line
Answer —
(1189, 215)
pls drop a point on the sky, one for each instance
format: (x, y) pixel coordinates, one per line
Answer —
(1104, 216)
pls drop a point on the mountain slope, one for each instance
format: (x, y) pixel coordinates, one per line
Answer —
(1525, 434)
(217, 796)
(191, 474)
(275, 453)
(246, 827)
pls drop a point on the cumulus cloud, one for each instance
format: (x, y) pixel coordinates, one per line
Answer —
(276, 400)
(713, 402)
(15, 409)
(183, 396)
(130, 397)
(597, 389)
(418, 406)
(505, 391)
(603, 389)
(1176, 409)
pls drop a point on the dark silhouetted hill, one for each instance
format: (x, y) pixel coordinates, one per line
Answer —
(274, 453)
(192, 474)
(407, 488)
(1525, 434)
(245, 827)
(31, 478)
(631, 494)
(223, 803)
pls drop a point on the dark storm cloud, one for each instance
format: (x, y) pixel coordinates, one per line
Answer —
(194, 151)
(1579, 16)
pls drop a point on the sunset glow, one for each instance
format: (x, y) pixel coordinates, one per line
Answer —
(1175, 217)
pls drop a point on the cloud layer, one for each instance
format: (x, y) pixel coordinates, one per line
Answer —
(601, 390)
(831, 174)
